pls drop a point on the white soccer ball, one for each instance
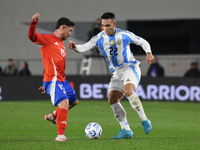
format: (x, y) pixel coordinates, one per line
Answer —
(93, 130)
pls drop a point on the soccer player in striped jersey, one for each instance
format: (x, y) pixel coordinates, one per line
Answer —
(54, 83)
(114, 44)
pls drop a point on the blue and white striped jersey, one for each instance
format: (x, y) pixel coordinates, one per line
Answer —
(115, 48)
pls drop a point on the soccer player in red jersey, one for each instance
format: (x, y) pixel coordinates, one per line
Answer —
(54, 83)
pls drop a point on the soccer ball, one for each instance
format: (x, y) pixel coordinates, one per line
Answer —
(93, 130)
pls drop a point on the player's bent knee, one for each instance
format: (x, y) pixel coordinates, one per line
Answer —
(129, 89)
(64, 104)
(112, 101)
(114, 97)
(74, 103)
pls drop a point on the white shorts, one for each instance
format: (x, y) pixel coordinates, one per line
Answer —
(128, 74)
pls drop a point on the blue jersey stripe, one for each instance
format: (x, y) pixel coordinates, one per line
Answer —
(133, 62)
(100, 43)
(137, 76)
(125, 43)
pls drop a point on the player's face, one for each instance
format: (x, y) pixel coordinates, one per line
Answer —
(108, 26)
(66, 32)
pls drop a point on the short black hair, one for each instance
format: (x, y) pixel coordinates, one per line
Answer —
(26, 65)
(108, 15)
(10, 59)
(193, 64)
(64, 21)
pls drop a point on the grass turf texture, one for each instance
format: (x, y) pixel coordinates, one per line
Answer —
(175, 126)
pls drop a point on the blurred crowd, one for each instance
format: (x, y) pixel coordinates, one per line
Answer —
(12, 70)
(154, 70)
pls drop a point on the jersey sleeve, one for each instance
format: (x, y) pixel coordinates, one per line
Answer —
(87, 46)
(31, 32)
(139, 41)
(36, 37)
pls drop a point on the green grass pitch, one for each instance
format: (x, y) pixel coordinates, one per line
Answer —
(176, 126)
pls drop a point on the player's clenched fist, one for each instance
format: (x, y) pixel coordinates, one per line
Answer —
(71, 45)
(36, 17)
(149, 58)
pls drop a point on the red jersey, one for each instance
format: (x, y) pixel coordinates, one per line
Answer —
(53, 53)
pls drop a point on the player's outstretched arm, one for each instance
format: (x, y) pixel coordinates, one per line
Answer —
(31, 32)
(149, 58)
(80, 48)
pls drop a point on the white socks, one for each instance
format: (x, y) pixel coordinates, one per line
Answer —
(137, 105)
(120, 115)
